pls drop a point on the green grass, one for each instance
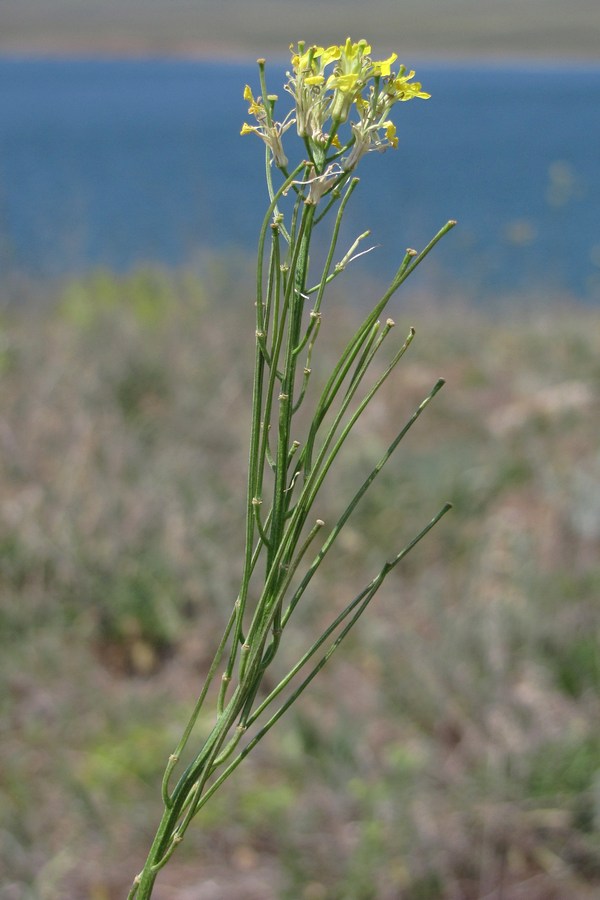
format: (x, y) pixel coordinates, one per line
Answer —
(462, 756)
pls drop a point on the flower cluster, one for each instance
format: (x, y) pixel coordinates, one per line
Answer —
(326, 84)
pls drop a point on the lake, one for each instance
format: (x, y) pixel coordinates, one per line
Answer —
(119, 162)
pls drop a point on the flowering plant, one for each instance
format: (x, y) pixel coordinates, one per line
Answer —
(342, 100)
(323, 102)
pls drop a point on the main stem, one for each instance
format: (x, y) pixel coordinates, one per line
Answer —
(189, 787)
(296, 288)
(182, 793)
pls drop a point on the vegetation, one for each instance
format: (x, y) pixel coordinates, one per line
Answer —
(447, 28)
(475, 678)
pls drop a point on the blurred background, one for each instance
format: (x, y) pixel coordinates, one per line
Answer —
(129, 211)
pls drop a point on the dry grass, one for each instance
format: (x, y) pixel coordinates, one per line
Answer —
(451, 751)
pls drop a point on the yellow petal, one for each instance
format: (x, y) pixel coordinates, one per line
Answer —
(390, 133)
(383, 67)
(344, 83)
(328, 56)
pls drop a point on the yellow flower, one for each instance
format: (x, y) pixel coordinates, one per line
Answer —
(255, 108)
(353, 70)
(390, 134)
(305, 61)
(307, 86)
(384, 67)
(402, 89)
(270, 132)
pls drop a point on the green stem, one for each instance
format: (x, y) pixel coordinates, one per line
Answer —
(296, 289)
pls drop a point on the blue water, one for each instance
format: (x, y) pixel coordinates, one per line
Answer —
(118, 162)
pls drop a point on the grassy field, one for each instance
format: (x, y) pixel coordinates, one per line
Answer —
(441, 28)
(460, 757)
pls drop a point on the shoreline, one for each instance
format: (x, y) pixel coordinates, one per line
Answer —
(232, 52)
(237, 56)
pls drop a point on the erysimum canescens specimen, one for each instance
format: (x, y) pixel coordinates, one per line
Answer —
(342, 103)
